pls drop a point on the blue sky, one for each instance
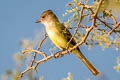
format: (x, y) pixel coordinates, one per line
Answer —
(17, 19)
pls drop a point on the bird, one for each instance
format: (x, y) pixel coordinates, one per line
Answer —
(60, 36)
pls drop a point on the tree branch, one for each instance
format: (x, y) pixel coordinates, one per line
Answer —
(41, 41)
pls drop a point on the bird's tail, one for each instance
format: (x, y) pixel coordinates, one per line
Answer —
(78, 53)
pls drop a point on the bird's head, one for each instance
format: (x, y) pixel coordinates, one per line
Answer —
(47, 17)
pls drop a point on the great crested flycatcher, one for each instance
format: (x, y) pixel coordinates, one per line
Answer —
(60, 36)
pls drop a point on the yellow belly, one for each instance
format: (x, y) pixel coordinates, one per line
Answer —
(57, 38)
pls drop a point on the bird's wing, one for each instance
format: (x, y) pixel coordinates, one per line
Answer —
(68, 35)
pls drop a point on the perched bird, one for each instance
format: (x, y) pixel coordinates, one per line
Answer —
(60, 36)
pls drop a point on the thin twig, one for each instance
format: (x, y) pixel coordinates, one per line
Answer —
(108, 25)
(115, 26)
(81, 15)
(35, 51)
(76, 27)
(41, 41)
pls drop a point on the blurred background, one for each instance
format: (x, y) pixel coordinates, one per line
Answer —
(17, 22)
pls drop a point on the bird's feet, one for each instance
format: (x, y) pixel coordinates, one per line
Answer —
(59, 54)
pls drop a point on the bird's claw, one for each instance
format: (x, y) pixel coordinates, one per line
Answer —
(58, 54)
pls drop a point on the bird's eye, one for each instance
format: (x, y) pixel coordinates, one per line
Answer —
(43, 16)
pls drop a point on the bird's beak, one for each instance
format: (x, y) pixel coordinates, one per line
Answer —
(38, 21)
